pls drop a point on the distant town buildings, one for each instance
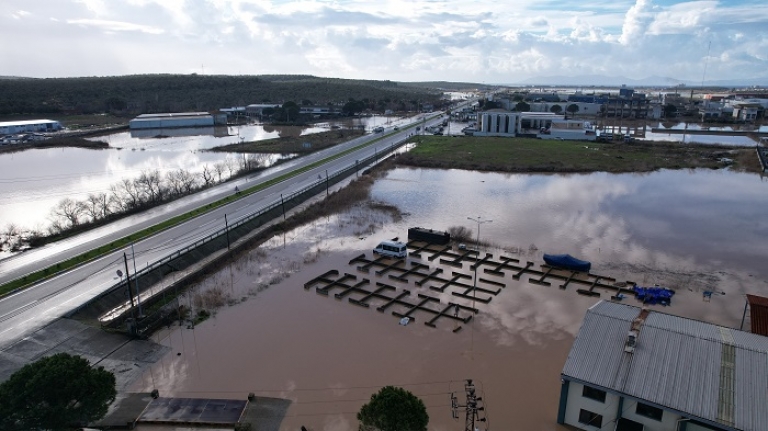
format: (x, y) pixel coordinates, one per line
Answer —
(632, 369)
(736, 107)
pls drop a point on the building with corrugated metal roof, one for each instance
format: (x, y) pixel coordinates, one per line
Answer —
(631, 369)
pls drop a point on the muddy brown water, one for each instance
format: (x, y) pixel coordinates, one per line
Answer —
(272, 337)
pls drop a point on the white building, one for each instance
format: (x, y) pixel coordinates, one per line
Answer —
(544, 125)
(745, 111)
(28, 126)
(166, 120)
(639, 370)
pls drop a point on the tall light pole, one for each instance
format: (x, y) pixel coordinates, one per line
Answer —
(479, 220)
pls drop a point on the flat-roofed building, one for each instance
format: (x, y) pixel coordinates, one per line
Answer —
(633, 369)
(29, 126)
(172, 119)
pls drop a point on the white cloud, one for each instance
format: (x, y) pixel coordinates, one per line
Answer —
(115, 25)
(636, 21)
(458, 40)
(19, 14)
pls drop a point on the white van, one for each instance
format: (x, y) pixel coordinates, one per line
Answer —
(392, 249)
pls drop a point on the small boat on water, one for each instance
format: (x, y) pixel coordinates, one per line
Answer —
(567, 261)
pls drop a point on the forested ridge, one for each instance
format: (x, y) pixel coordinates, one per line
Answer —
(134, 94)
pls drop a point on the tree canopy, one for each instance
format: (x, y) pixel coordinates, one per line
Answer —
(522, 107)
(55, 393)
(556, 109)
(135, 94)
(393, 409)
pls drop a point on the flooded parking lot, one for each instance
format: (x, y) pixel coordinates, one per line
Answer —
(694, 231)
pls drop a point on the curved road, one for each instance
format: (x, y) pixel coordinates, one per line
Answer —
(33, 308)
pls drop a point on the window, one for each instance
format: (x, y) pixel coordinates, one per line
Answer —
(625, 424)
(595, 394)
(649, 411)
(588, 418)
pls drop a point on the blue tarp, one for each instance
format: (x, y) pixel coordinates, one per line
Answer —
(567, 261)
(654, 295)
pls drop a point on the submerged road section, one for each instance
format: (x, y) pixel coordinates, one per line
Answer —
(32, 308)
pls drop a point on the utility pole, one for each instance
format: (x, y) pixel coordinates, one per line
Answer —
(136, 280)
(472, 408)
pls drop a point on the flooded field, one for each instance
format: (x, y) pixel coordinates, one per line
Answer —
(693, 231)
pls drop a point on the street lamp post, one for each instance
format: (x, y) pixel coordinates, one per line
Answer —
(479, 220)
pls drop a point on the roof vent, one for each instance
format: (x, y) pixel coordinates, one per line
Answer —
(629, 345)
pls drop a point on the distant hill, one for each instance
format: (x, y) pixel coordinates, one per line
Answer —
(135, 94)
(651, 81)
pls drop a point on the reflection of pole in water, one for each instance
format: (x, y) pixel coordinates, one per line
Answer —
(479, 222)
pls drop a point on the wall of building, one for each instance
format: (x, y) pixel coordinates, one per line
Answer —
(30, 127)
(668, 419)
(576, 402)
(159, 123)
(497, 124)
(609, 410)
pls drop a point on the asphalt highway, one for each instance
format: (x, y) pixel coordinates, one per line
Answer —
(32, 308)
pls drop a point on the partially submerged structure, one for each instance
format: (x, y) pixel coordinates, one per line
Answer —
(632, 369)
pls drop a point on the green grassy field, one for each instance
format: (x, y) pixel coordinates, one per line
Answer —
(537, 155)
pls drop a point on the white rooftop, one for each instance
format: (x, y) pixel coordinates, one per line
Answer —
(25, 122)
(172, 115)
(713, 373)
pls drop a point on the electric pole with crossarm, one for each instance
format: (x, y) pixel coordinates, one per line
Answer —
(472, 408)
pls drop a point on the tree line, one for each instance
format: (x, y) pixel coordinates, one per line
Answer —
(135, 94)
(128, 196)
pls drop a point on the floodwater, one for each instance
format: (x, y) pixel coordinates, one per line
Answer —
(33, 182)
(694, 231)
(722, 139)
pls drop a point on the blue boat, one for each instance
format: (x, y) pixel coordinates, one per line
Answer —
(567, 261)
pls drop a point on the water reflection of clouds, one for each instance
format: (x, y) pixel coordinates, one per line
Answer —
(533, 314)
(39, 179)
(667, 217)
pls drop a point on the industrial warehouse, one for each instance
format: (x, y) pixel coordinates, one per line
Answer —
(177, 119)
(632, 369)
(28, 126)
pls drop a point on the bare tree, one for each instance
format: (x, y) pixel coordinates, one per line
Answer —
(96, 206)
(10, 237)
(68, 212)
(175, 182)
(219, 168)
(150, 184)
(231, 165)
(127, 194)
(189, 181)
(207, 176)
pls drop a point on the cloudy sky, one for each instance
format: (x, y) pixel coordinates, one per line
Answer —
(492, 41)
